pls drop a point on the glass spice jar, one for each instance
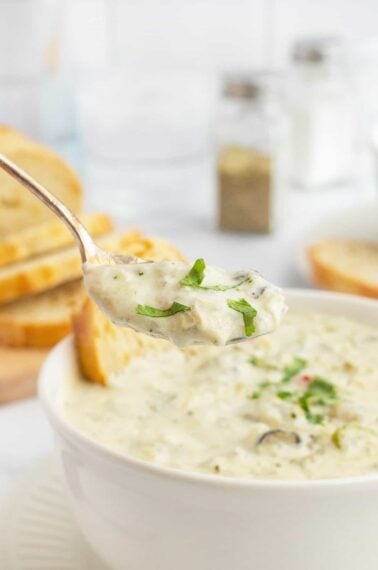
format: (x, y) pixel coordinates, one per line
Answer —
(250, 153)
(322, 111)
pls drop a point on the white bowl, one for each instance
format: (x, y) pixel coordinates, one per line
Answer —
(139, 516)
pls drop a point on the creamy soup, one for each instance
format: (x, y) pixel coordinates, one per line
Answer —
(187, 305)
(301, 403)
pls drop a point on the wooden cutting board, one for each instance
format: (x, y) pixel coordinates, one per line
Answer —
(19, 369)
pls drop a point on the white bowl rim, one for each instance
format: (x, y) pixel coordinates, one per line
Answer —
(119, 460)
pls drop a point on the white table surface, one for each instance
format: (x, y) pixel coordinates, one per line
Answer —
(24, 433)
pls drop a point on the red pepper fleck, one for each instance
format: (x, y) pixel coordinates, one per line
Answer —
(306, 378)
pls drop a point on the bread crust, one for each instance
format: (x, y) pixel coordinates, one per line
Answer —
(43, 320)
(328, 274)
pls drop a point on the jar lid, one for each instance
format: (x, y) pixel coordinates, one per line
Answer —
(317, 49)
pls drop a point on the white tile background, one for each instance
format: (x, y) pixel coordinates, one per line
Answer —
(207, 34)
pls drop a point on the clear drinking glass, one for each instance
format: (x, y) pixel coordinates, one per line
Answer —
(146, 141)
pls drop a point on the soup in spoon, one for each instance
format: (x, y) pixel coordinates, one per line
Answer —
(186, 305)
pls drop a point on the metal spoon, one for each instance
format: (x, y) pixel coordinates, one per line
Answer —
(89, 251)
(198, 323)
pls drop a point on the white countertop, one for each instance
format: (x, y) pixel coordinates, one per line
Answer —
(25, 434)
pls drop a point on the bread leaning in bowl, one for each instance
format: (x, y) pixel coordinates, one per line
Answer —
(344, 265)
(103, 348)
(18, 207)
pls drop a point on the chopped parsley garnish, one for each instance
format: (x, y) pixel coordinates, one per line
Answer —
(242, 306)
(254, 360)
(284, 395)
(322, 391)
(148, 311)
(310, 416)
(293, 369)
(319, 393)
(256, 395)
(197, 274)
(226, 287)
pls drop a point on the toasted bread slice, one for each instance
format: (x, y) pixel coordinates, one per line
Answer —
(344, 265)
(42, 320)
(39, 274)
(47, 236)
(103, 348)
(18, 207)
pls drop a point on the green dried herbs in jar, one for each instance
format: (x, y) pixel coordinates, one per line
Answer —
(250, 161)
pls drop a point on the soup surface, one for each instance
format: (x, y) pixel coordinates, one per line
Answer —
(301, 403)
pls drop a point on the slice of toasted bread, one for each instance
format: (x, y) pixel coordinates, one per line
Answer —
(348, 266)
(39, 274)
(103, 348)
(18, 207)
(42, 320)
(47, 236)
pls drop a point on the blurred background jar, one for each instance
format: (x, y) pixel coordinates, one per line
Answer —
(251, 161)
(146, 135)
(323, 114)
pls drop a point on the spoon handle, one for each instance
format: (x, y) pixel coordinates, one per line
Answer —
(82, 237)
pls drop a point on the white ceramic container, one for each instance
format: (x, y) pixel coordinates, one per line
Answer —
(139, 516)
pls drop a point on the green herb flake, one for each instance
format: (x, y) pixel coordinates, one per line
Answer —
(322, 391)
(242, 306)
(315, 419)
(283, 395)
(293, 369)
(256, 395)
(303, 403)
(254, 360)
(196, 275)
(148, 311)
(226, 287)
